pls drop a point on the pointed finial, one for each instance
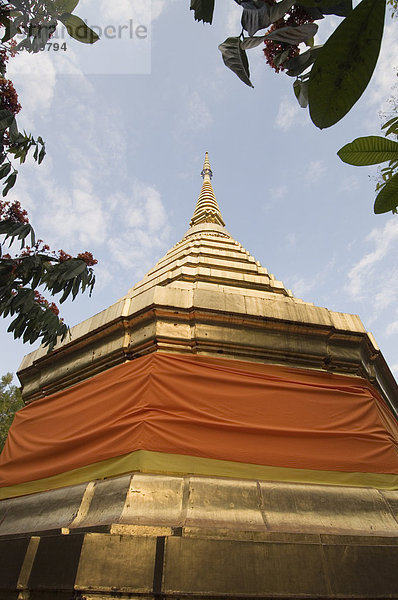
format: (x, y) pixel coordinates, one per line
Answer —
(206, 167)
(207, 209)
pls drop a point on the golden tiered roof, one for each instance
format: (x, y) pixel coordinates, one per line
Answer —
(209, 254)
(208, 295)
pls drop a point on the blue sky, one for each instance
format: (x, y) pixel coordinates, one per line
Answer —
(126, 126)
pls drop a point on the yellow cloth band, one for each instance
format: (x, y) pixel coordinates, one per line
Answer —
(177, 464)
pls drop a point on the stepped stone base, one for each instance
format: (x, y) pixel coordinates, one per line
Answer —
(156, 536)
(190, 565)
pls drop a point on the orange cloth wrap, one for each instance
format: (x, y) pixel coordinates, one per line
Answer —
(204, 407)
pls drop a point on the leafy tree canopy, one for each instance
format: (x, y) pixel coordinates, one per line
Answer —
(33, 268)
(328, 79)
(10, 402)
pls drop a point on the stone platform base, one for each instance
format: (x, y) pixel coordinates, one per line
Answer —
(190, 564)
(147, 536)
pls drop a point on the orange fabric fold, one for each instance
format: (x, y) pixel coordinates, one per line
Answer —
(204, 407)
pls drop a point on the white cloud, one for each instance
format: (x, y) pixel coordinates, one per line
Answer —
(391, 329)
(197, 115)
(34, 77)
(315, 170)
(385, 75)
(145, 230)
(274, 195)
(123, 10)
(362, 272)
(326, 28)
(154, 209)
(291, 239)
(158, 7)
(75, 215)
(279, 192)
(125, 230)
(394, 369)
(288, 114)
(301, 287)
(349, 184)
(388, 295)
(232, 22)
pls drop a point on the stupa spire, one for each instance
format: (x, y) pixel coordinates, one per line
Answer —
(207, 209)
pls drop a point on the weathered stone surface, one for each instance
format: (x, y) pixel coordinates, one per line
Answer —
(327, 509)
(224, 504)
(362, 571)
(115, 562)
(210, 503)
(12, 556)
(42, 511)
(103, 503)
(56, 563)
(239, 569)
(155, 500)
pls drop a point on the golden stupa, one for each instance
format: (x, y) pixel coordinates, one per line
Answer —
(207, 436)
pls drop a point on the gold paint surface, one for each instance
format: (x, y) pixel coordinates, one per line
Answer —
(153, 500)
(209, 295)
(28, 563)
(213, 505)
(327, 509)
(116, 562)
(243, 568)
(224, 504)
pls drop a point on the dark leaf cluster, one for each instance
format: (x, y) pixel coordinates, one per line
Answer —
(34, 317)
(372, 150)
(37, 21)
(16, 145)
(330, 78)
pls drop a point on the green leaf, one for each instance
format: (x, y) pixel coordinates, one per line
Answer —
(67, 291)
(345, 64)
(11, 30)
(281, 57)
(203, 10)
(341, 8)
(78, 29)
(387, 198)
(251, 42)
(14, 133)
(6, 119)
(279, 9)
(10, 182)
(42, 155)
(296, 65)
(369, 150)
(255, 18)
(4, 170)
(293, 35)
(235, 58)
(300, 88)
(391, 126)
(65, 6)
